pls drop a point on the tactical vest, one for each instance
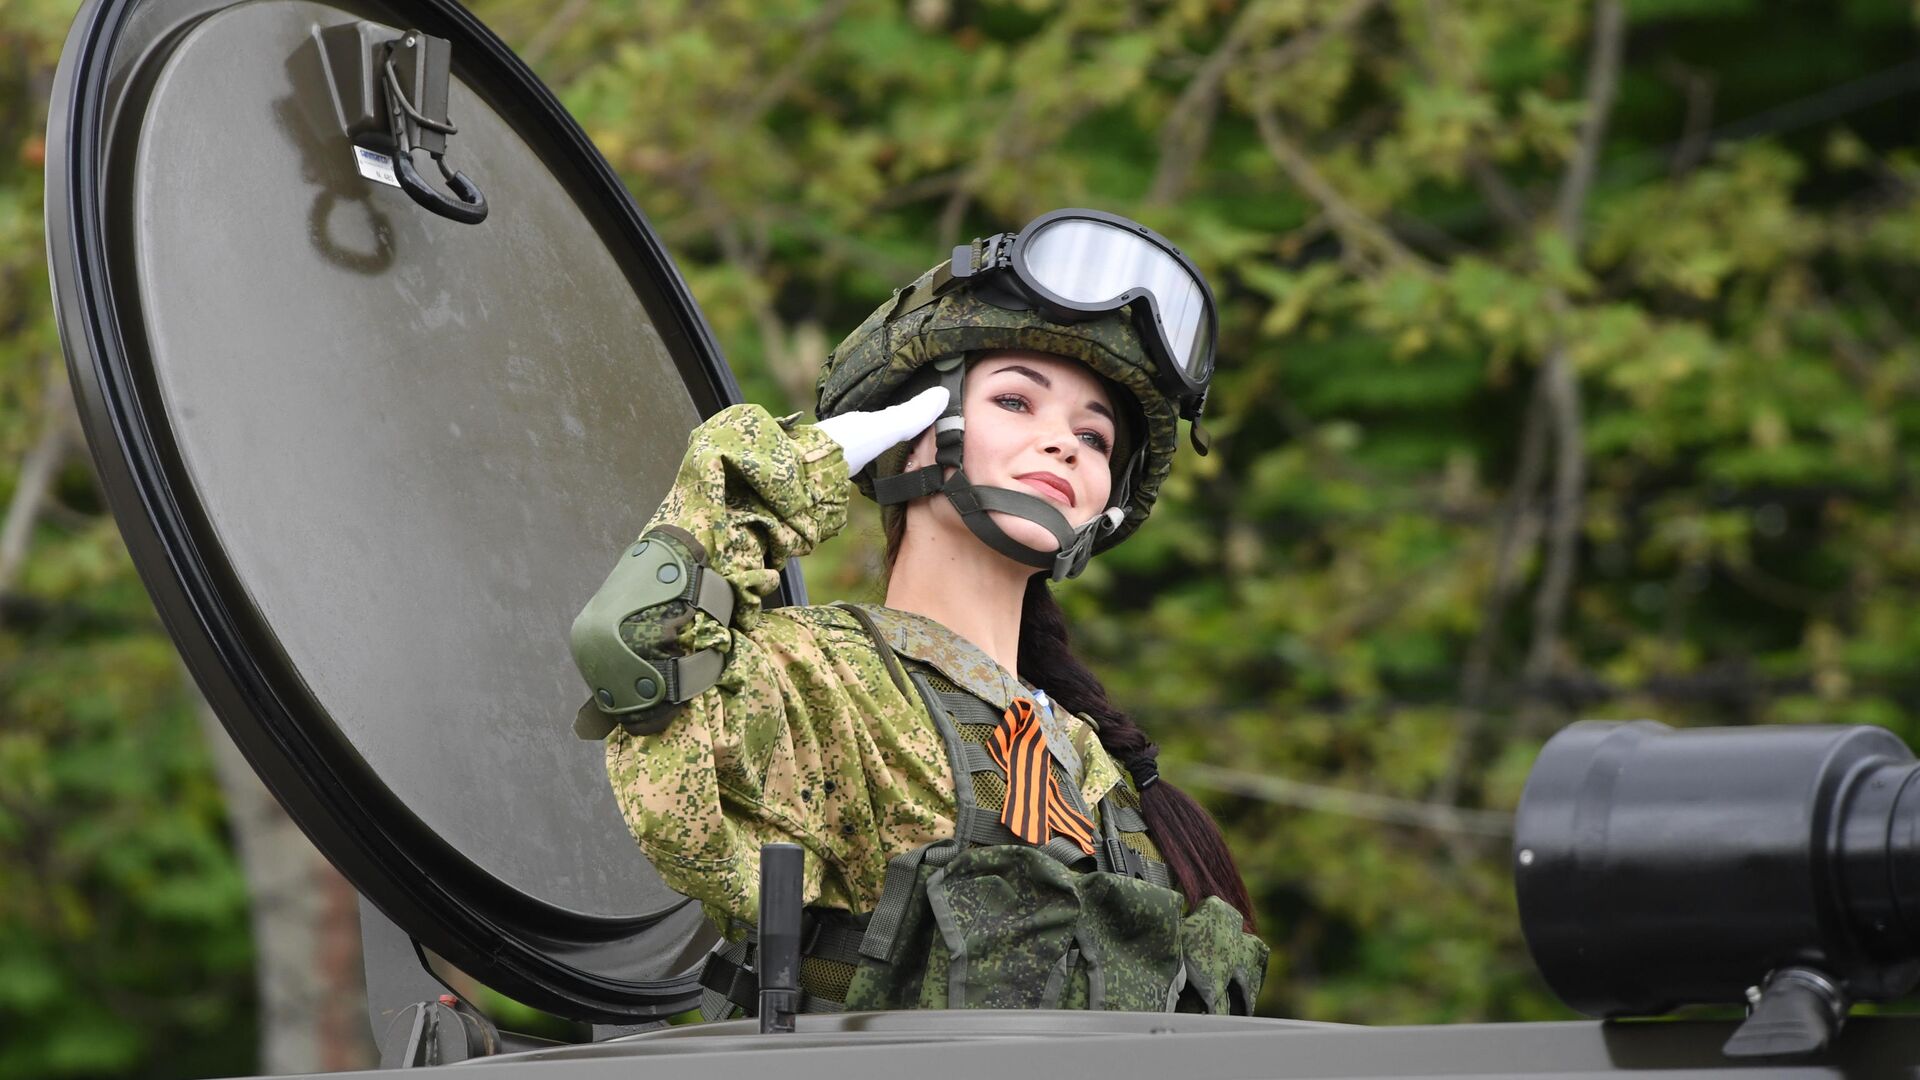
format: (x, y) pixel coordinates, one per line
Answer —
(985, 920)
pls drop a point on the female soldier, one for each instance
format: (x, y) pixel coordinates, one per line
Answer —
(982, 827)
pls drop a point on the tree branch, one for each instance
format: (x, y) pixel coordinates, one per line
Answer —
(1562, 386)
(1603, 82)
(1304, 45)
(1009, 141)
(958, 203)
(1359, 232)
(37, 470)
(812, 37)
(692, 174)
(1449, 65)
(1696, 135)
(792, 354)
(1185, 132)
(1564, 511)
(925, 187)
(553, 30)
(1503, 198)
(1519, 534)
(1188, 128)
(1436, 817)
(960, 199)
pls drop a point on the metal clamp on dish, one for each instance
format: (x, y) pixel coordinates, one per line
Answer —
(411, 129)
(662, 572)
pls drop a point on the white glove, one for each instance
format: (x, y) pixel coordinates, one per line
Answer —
(864, 436)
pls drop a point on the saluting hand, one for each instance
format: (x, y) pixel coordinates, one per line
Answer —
(864, 436)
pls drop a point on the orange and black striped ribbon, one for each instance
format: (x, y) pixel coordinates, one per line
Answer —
(1035, 808)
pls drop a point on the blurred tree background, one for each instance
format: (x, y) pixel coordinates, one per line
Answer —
(1567, 369)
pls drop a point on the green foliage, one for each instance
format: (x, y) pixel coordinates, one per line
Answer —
(123, 946)
(1347, 592)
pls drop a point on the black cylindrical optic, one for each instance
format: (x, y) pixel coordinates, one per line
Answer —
(1656, 867)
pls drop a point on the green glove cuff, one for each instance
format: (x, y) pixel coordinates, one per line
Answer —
(662, 567)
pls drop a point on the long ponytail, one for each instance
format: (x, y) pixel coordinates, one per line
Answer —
(1189, 839)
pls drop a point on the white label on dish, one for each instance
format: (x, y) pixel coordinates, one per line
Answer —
(375, 166)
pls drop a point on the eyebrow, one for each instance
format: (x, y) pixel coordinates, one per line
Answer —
(1092, 406)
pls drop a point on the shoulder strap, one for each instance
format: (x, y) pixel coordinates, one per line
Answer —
(896, 892)
(1118, 819)
(1123, 859)
(963, 796)
(887, 655)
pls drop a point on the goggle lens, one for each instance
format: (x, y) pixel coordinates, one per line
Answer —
(1199, 359)
(1087, 262)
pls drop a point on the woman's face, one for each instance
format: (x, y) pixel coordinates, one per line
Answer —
(1036, 424)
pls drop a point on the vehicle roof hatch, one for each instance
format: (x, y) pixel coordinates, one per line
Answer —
(371, 455)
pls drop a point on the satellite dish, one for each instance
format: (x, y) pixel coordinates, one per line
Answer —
(371, 455)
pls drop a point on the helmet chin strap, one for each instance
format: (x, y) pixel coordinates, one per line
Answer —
(976, 503)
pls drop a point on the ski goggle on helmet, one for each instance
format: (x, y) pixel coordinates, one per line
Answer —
(1075, 265)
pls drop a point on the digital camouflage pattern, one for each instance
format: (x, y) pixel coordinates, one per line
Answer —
(1223, 960)
(806, 738)
(1130, 943)
(1006, 927)
(1022, 931)
(873, 366)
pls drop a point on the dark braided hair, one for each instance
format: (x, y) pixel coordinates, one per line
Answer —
(1188, 838)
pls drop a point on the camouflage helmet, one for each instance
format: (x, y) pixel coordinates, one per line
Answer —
(939, 317)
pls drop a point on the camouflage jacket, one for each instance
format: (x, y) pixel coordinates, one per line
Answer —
(806, 738)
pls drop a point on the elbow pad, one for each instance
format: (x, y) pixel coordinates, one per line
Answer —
(664, 573)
